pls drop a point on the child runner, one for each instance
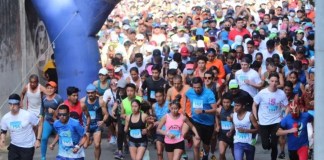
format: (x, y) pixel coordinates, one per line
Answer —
(245, 125)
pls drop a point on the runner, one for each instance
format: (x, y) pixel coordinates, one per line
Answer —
(98, 115)
(20, 124)
(203, 108)
(103, 83)
(270, 101)
(137, 129)
(173, 136)
(50, 103)
(224, 126)
(160, 108)
(70, 134)
(33, 92)
(245, 125)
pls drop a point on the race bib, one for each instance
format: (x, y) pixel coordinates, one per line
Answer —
(272, 108)
(15, 125)
(152, 94)
(242, 136)
(176, 133)
(66, 139)
(226, 125)
(92, 115)
(197, 104)
(242, 78)
(136, 133)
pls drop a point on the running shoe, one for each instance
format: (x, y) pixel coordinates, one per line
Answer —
(113, 140)
(119, 156)
(184, 157)
(282, 155)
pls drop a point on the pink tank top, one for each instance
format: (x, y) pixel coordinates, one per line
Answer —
(174, 126)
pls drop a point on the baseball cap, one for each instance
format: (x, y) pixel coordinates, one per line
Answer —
(103, 71)
(156, 25)
(181, 28)
(226, 48)
(184, 51)
(156, 53)
(110, 67)
(173, 65)
(233, 84)
(255, 34)
(139, 36)
(126, 27)
(117, 69)
(91, 88)
(51, 83)
(299, 31)
(301, 49)
(121, 83)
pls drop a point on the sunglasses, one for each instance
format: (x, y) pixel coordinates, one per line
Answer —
(63, 114)
(91, 92)
(209, 78)
(13, 104)
(140, 40)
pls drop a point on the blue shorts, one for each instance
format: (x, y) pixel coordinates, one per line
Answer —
(64, 158)
(94, 128)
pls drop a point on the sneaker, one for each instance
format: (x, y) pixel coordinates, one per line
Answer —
(282, 155)
(119, 156)
(184, 157)
(213, 157)
(113, 140)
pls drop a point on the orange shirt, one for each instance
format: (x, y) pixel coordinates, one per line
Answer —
(219, 64)
(183, 94)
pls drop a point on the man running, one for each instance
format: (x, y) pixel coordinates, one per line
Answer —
(20, 124)
(98, 115)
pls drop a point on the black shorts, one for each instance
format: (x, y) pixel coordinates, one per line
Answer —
(110, 120)
(160, 138)
(205, 132)
(20, 153)
(172, 147)
(229, 140)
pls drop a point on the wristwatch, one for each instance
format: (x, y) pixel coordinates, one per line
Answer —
(203, 111)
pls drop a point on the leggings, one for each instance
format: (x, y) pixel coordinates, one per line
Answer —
(121, 135)
(47, 130)
(269, 138)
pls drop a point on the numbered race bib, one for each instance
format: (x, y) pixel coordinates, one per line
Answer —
(176, 133)
(273, 108)
(67, 141)
(92, 115)
(244, 137)
(242, 78)
(152, 94)
(15, 125)
(226, 125)
(197, 104)
(136, 133)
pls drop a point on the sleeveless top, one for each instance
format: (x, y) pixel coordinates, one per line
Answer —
(135, 130)
(101, 91)
(225, 124)
(183, 94)
(94, 111)
(244, 123)
(160, 111)
(174, 126)
(75, 111)
(34, 100)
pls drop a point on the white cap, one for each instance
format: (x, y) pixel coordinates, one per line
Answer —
(273, 30)
(118, 69)
(139, 36)
(200, 44)
(126, 27)
(173, 65)
(103, 71)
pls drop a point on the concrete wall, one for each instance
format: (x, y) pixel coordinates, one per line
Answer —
(23, 47)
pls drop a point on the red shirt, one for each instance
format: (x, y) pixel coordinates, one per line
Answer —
(234, 32)
(75, 110)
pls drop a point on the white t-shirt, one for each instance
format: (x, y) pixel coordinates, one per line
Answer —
(250, 75)
(112, 95)
(270, 105)
(20, 127)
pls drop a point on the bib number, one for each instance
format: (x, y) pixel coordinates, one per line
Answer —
(226, 125)
(176, 133)
(272, 108)
(136, 133)
(92, 115)
(152, 94)
(197, 104)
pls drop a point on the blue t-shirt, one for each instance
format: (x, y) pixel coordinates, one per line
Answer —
(160, 111)
(69, 135)
(295, 142)
(202, 101)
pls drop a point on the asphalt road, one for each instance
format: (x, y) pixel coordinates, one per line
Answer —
(108, 152)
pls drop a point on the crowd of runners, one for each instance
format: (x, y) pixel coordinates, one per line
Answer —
(195, 74)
